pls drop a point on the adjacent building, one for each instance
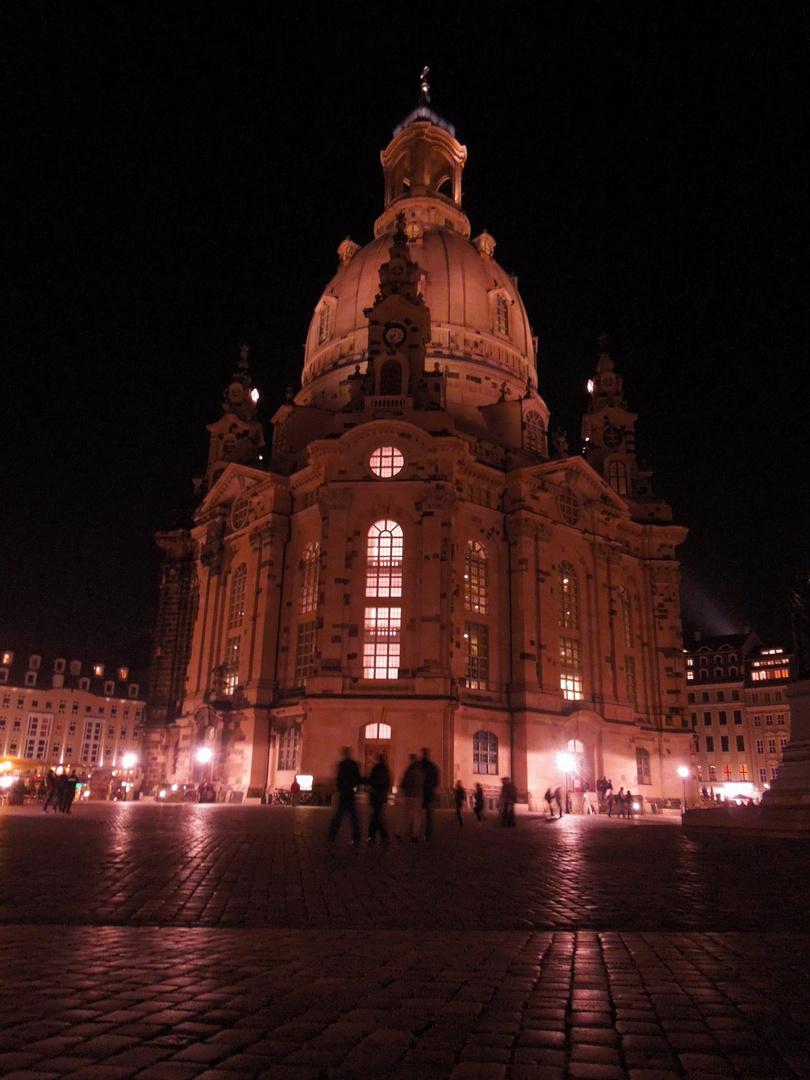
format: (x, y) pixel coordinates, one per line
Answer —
(739, 711)
(419, 560)
(67, 713)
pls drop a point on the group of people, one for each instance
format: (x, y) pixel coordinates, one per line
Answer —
(60, 791)
(620, 803)
(415, 799)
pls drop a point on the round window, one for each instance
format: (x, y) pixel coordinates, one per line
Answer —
(386, 461)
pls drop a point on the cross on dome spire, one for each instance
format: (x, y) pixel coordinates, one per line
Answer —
(424, 87)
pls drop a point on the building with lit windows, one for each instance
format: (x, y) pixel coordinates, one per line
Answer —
(739, 711)
(66, 713)
(419, 563)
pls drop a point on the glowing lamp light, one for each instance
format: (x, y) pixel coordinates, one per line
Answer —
(204, 755)
(254, 395)
(161, 794)
(683, 772)
(305, 782)
(5, 765)
(129, 761)
(566, 763)
(6, 781)
(590, 386)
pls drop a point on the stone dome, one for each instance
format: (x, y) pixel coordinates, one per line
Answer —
(480, 332)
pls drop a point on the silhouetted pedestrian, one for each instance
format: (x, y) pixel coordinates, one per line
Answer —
(508, 800)
(295, 791)
(459, 797)
(379, 782)
(478, 801)
(51, 788)
(71, 783)
(559, 796)
(348, 778)
(431, 782)
(412, 787)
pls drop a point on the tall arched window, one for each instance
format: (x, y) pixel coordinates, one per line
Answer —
(475, 578)
(643, 771)
(485, 753)
(309, 566)
(501, 315)
(383, 621)
(569, 596)
(626, 612)
(236, 610)
(535, 432)
(617, 477)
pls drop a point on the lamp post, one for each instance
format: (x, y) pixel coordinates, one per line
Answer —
(566, 765)
(683, 772)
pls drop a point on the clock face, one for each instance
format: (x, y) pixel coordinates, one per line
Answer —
(613, 436)
(394, 334)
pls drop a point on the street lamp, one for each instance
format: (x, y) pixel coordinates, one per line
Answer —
(683, 772)
(566, 764)
(204, 755)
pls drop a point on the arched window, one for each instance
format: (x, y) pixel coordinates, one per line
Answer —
(643, 772)
(501, 315)
(475, 578)
(236, 611)
(378, 731)
(569, 596)
(309, 567)
(535, 433)
(324, 324)
(391, 378)
(383, 621)
(485, 753)
(617, 477)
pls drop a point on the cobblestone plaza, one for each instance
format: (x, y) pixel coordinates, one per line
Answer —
(176, 942)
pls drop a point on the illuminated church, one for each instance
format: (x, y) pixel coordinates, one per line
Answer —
(417, 562)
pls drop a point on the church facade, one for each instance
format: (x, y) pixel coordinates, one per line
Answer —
(421, 563)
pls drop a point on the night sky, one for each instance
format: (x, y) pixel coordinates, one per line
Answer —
(178, 179)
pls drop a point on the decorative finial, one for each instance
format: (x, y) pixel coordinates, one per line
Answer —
(424, 87)
(244, 352)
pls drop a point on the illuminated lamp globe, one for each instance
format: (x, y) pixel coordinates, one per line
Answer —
(129, 761)
(565, 763)
(683, 772)
(204, 755)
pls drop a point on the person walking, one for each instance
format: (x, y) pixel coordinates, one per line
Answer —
(431, 782)
(51, 788)
(71, 783)
(478, 801)
(412, 787)
(508, 800)
(459, 798)
(619, 799)
(559, 797)
(348, 779)
(295, 791)
(379, 782)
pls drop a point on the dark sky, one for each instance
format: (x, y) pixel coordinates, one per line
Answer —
(178, 179)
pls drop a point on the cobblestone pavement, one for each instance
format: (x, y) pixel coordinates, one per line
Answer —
(232, 943)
